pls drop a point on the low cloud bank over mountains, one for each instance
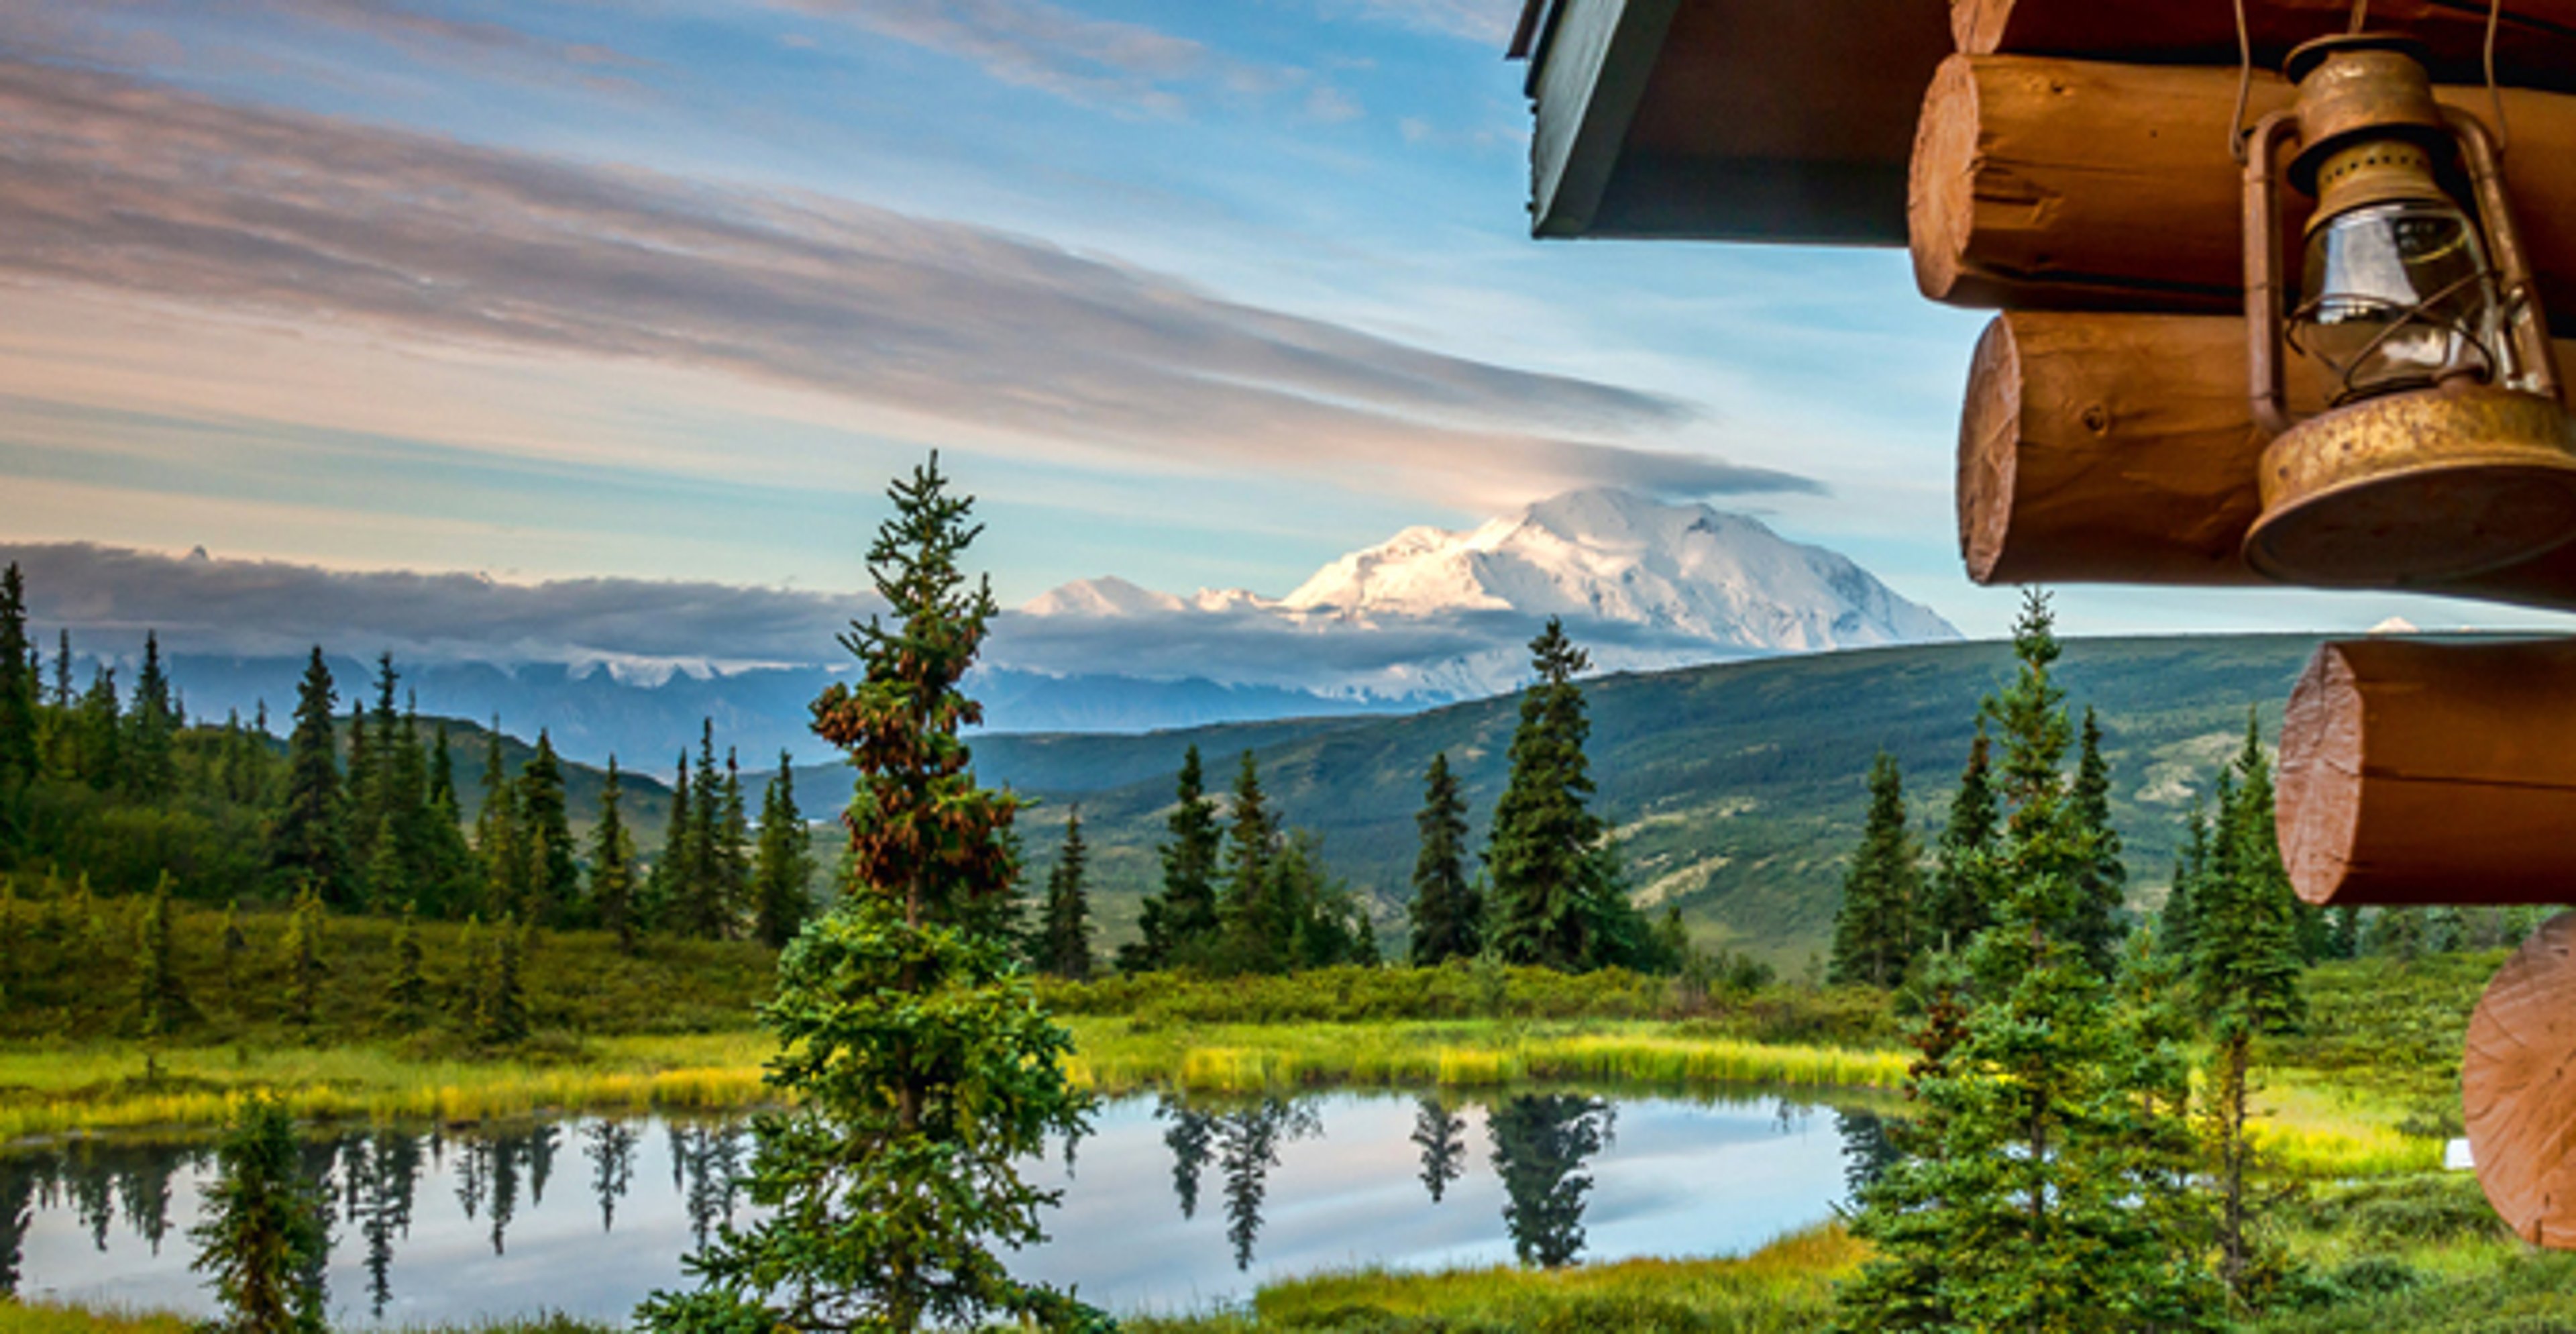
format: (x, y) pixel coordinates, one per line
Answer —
(1428, 617)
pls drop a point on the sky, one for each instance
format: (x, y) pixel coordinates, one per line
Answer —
(1190, 293)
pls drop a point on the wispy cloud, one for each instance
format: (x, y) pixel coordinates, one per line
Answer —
(415, 32)
(1037, 45)
(1486, 21)
(261, 608)
(107, 183)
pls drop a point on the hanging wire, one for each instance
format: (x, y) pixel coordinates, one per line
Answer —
(2236, 131)
(2495, 17)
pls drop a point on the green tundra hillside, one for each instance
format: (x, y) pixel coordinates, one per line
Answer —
(1737, 788)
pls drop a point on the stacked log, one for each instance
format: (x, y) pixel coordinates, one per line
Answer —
(2065, 184)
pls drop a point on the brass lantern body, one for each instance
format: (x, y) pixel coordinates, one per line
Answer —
(2446, 450)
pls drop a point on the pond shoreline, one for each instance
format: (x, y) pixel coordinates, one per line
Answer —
(95, 1088)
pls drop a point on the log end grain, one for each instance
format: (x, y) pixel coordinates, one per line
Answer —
(2518, 1087)
(1941, 183)
(2319, 798)
(1990, 429)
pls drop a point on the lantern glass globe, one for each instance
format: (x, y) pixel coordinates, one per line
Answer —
(2399, 296)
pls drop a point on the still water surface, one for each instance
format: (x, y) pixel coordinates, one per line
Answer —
(1169, 1205)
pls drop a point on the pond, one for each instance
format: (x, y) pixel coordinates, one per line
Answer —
(1168, 1205)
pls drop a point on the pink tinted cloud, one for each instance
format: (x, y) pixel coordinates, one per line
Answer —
(115, 184)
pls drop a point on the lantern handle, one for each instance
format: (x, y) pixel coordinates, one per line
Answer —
(2527, 329)
(2263, 271)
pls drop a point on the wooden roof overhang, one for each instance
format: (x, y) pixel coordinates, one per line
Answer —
(1726, 120)
(1793, 120)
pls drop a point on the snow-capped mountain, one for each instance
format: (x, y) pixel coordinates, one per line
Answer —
(1435, 614)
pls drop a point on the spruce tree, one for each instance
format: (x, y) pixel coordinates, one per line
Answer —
(2177, 923)
(151, 730)
(668, 889)
(2246, 980)
(1542, 855)
(1448, 913)
(2040, 1195)
(406, 988)
(496, 831)
(455, 877)
(1180, 923)
(781, 902)
(98, 733)
(612, 865)
(2101, 878)
(305, 848)
(161, 1001)
(731, 857)
(1256, 933)
(1963, 879)
(300, 959)
(553, 888)
(1874, 928)
(267, 1232)
(916, 1069)
(361, 811)
(1064, 934)
(501, 1000)
(18, 753)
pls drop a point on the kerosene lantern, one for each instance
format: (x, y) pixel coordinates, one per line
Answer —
(2444, 447)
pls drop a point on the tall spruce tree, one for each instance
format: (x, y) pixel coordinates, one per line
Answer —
(1543, 856)
(1180, 923)
(612, 865)
(1874, 928)
(781, 902)
(2101, 878)
(1448, 913)
(98, 733)
(2246, 979)
(1964, 886)
(552, 888)
(2177, 922)
(496, 831)
(151, 730)
(916, 1068)
(18, 675)
(304, 847)
(2039, 1198)
(731, 859)
(1257, 933)
(1064, 930)
(360, 811)
(161, 1001)
(454, 875)
(667, 889)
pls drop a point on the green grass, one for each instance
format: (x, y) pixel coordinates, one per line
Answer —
(1786, 1286)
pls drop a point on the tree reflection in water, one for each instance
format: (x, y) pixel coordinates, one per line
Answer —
(1247, 1145)
(1188, 1139)
(1869, 1148)
(610, 1147)
(1541, 1142)
(1442, 1136)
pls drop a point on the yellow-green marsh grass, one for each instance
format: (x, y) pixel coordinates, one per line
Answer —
(93, 1087)
(1115, 1056)
(1787, 1285)
(40, 1319)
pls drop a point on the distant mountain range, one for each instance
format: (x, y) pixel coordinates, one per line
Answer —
(1427, 618)
(1434, 616)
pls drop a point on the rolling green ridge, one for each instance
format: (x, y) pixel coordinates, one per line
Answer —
(1737, 788)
